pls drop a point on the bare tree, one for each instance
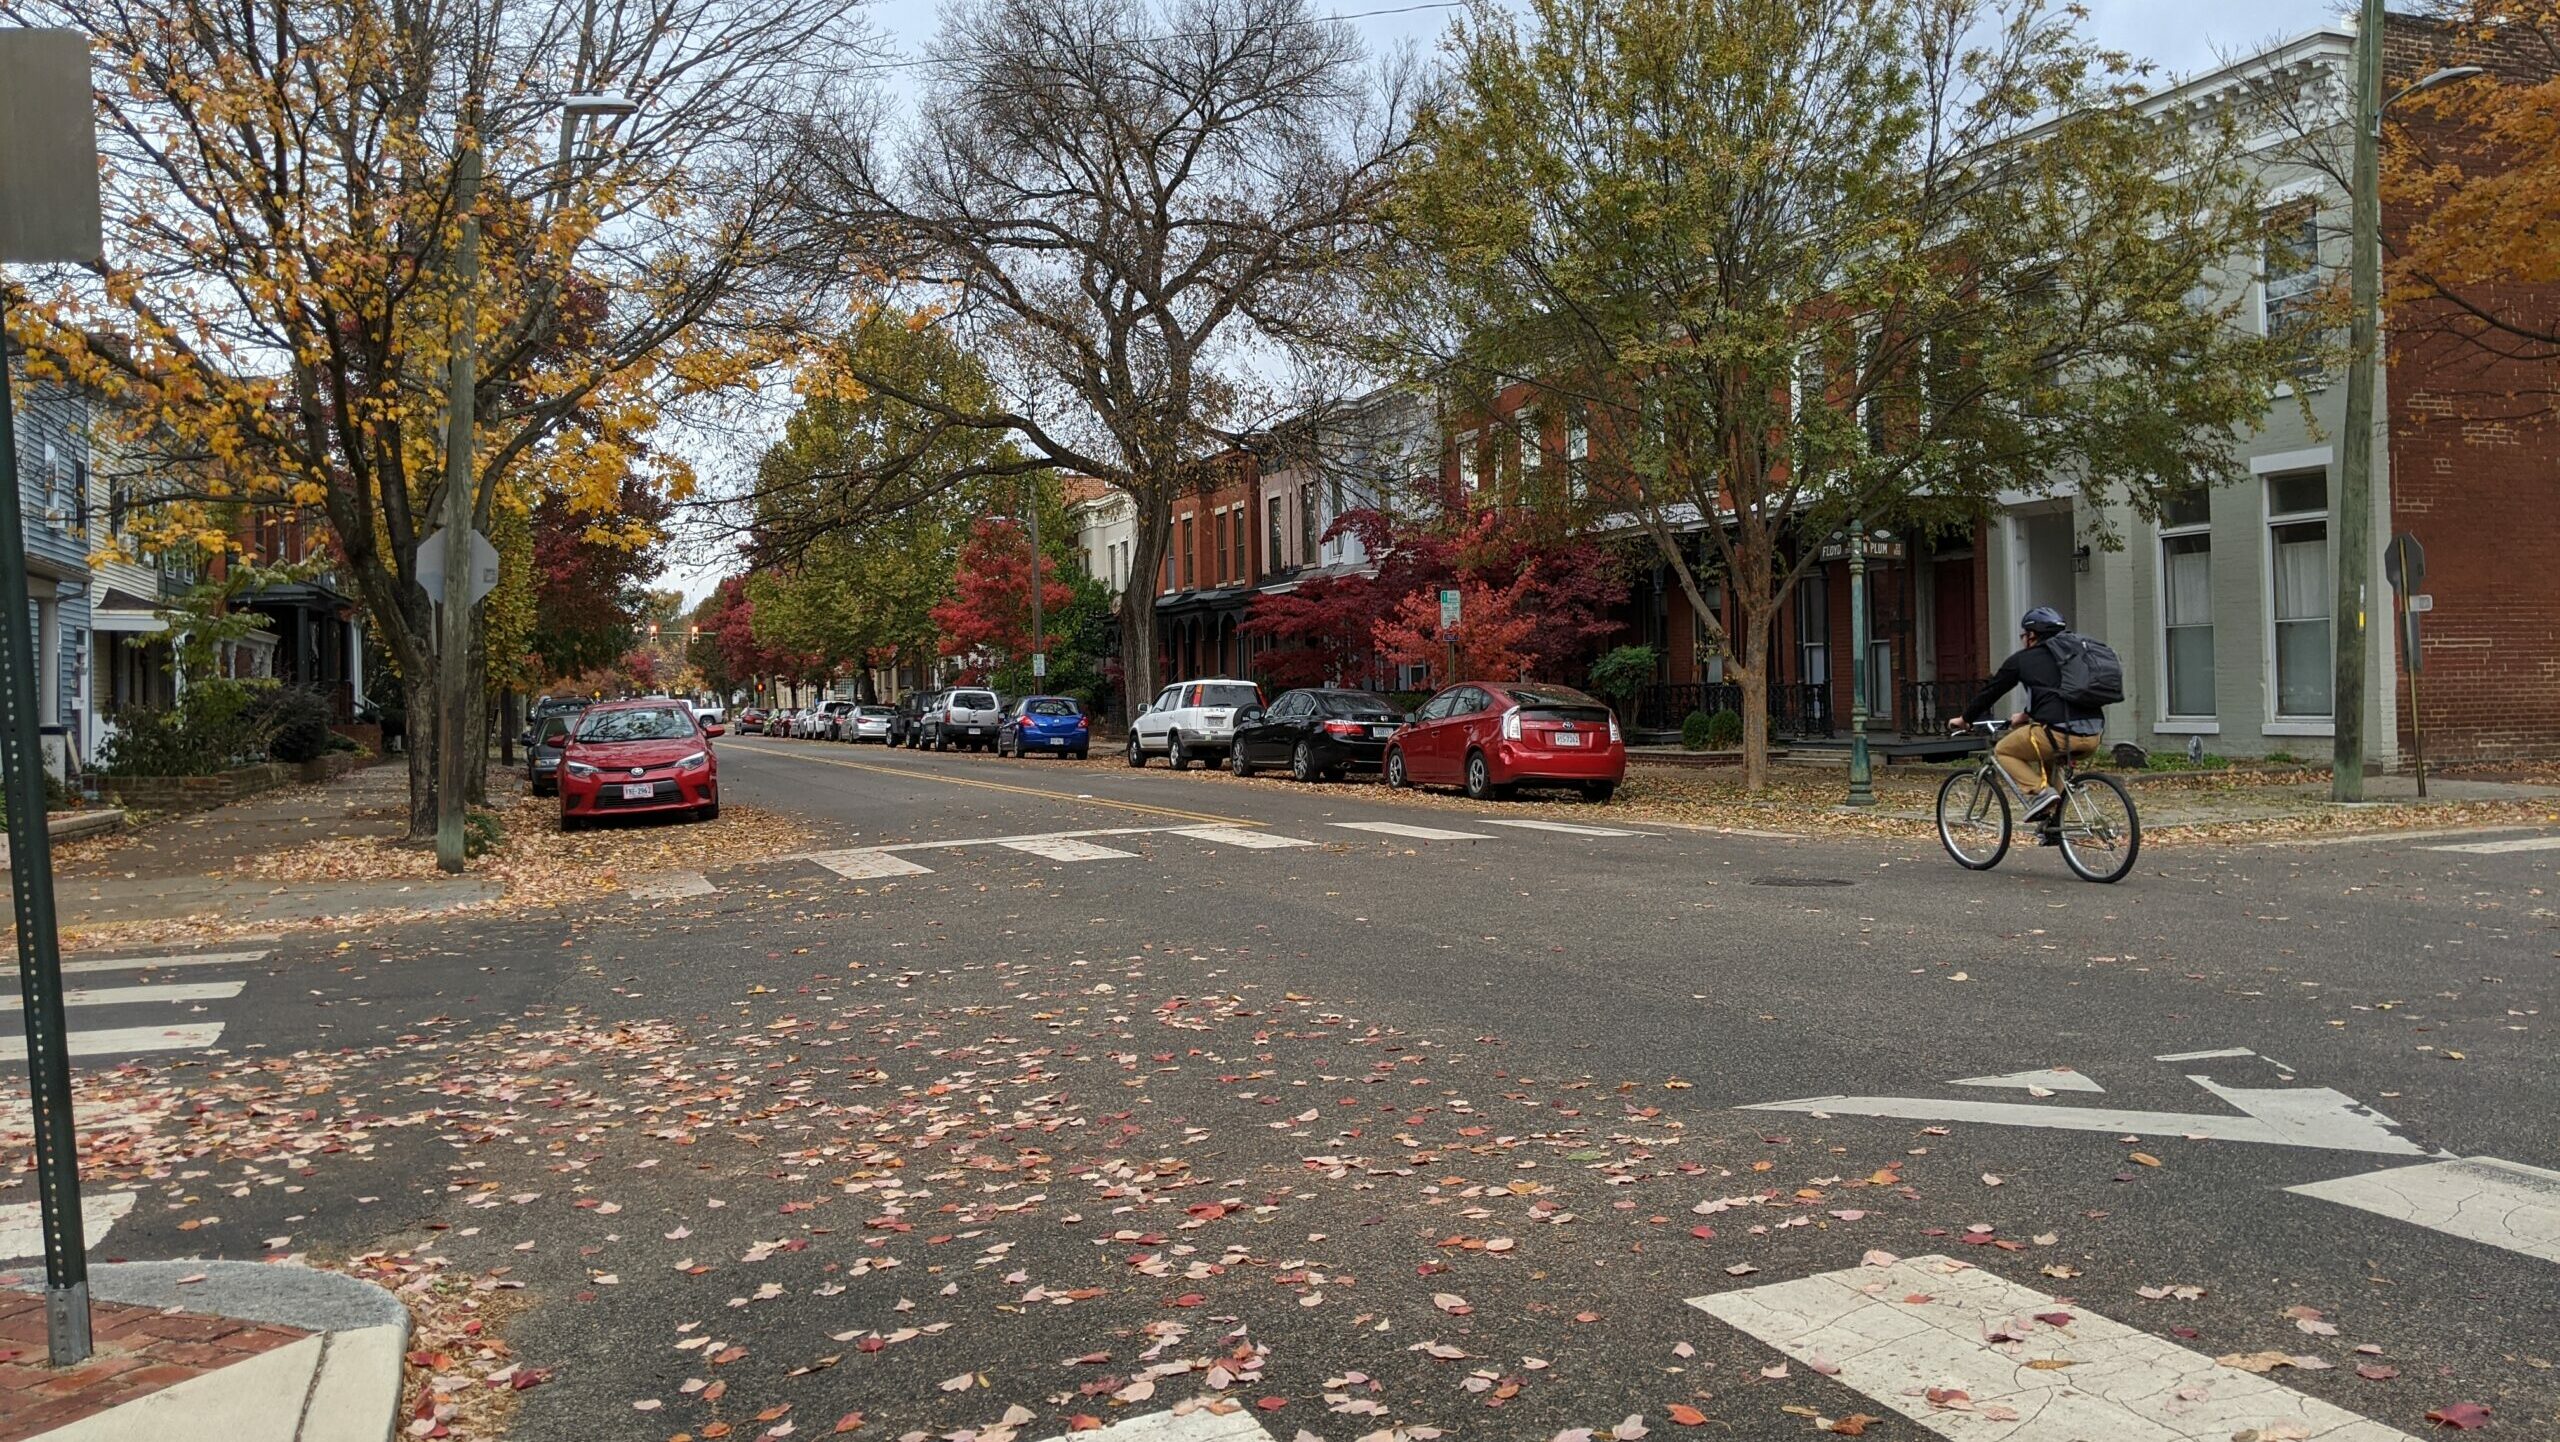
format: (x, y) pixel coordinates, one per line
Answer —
(1135, 211)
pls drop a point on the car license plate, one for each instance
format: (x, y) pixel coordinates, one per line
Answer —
(1568, 738)
(1382, 730)
(638, 790)
(976, 730)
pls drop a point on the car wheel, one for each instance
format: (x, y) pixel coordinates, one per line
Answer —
(1480, 785)
(1336, 773)
(708, 813)
(571, 823)
(1302, 763)
(1236, 762)
(1081, 753)
(1396, 779)
(1137, 753)
(1174, 755)
(1599, 792)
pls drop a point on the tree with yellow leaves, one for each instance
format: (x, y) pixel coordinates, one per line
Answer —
(280, 289)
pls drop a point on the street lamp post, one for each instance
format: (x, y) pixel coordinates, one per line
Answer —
(1862, 788)
(2355, 462)
(1039, 627)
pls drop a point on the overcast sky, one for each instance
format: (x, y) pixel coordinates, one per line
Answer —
(2179, 36)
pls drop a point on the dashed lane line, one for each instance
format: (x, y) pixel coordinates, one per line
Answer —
(1073, 798)
(1561, 828)
(125, 1040)
(1068, 848)
(2479, 1199)
(123, 995)
(1242, 840)
(862, 865)
(1410, 833)
(147, 963)
(1899, 1333)
(2500, 848)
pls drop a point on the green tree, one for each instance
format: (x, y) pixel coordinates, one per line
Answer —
(1799, 261)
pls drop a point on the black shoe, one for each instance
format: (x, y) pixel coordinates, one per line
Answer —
(2040, 803)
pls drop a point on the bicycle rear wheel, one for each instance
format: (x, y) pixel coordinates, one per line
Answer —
(2101, 832)
(1973, 820)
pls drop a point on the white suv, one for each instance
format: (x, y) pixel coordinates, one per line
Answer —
(1192, 721)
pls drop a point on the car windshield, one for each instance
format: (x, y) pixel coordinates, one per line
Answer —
(1050, 706)
(670, 723)
(875, 710)
(1549, 696)
(553, 729)
(1354, 703)
(1230, 694)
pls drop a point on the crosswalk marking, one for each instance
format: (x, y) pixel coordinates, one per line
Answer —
(1412, 833)
(1199, 1424)
(1237, 836)
(145, 963)
(125, 1040)
(22, 1223)
(1896, 1333)
(2494, 848)
(672, 886)
(2480, 1199)
(1067, 848)
(1563, 828)
(120, 995)
(864, 865)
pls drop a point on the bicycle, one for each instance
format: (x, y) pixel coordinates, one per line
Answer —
(2096, 825)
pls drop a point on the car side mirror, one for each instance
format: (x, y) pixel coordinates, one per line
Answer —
(1408, 718)
(1250, 713)
(715, 729)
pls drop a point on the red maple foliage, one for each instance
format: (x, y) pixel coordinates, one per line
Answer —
(988, 614)
(1496, 625)
(735, 653)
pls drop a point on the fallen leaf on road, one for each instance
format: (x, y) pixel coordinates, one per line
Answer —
(1853, 1425)
(2370, 1371)
(2460, 1416)
(1681, 1412)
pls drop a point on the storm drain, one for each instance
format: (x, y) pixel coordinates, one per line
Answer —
(1801, 881)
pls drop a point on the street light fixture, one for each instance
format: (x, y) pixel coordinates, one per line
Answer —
(2355, 462)
(608, 102)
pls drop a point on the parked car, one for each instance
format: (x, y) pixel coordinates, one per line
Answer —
(1492, 736)
(1315, 732)
(542, 751)
(710, 713)
(779, 723)
(545, 707)
(1045, 723)
(833, 719)
(964, 716)
(631, 758)
(906, 722)
(869, 723)
(1190, 721)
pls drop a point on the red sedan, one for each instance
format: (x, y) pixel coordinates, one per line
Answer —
(1492, 736)
(633, 758)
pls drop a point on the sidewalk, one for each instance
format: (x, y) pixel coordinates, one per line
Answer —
(242, 1351)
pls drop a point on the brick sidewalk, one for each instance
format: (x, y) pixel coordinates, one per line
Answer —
(139, 1350)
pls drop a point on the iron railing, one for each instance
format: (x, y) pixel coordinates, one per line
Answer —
(1795, 708)
(1927, 706)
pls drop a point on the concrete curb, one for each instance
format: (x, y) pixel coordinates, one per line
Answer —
(72, 825)
(341, 1384)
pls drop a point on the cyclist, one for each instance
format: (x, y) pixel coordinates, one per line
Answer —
(2028, 751)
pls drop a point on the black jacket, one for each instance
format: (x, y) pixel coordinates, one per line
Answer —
(2036, 669)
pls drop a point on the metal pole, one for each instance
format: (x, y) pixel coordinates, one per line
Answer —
(1039, 628)
(1862, 788)
(453, 643)
(66, 1251)
(2355, 463)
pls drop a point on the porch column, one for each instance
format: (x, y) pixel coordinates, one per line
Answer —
(355, 663)
(48, 660)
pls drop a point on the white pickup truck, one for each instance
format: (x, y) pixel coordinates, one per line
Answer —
(1191, 721)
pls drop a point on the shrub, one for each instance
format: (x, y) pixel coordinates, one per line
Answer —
(215, 726)
(296, 721)
(338, 742)
(1693, 731)
(480, 833)
(1716, 731)
(1621, 676)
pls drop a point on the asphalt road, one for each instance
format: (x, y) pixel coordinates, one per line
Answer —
(1067, 1090)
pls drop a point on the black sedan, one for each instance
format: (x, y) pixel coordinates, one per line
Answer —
(1315, 732)
(544, 738)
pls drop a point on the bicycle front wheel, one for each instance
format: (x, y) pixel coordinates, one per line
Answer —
(1973, 820)
(2101, 832)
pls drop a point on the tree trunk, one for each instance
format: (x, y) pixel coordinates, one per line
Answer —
(1751, 673)
(475, 760)
(1138, 608)
(421, 744)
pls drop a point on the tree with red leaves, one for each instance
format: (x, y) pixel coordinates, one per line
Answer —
(727, 651)
(987, 618)
(591, 576)
(1496, 627)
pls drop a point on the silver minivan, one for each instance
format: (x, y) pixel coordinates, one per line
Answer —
(964, 717)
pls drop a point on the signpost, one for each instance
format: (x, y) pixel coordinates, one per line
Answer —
(48, 213)
(1449, 629)
(484, 566)
(2404, 565)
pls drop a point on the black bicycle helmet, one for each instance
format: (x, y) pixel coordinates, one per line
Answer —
(2043, 621)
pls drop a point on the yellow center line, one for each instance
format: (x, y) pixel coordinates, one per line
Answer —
(915, 774)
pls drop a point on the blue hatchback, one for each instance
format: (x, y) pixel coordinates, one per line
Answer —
(1045, 723)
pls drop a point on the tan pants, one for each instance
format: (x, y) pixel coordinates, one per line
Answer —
(2028, 753)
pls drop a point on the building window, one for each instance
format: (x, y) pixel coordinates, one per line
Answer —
(1577, 455)
(1186, 553)
(1239, 520)
(2186, 605)
(2290, 267)
(2301, 589)
(1813, 628)
(1470, 463)
(1309, 523)
(1275, 504)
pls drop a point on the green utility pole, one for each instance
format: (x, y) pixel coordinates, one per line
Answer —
(2355, 462)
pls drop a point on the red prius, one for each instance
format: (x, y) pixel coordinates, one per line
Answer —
(1492, 736)
(633, 758)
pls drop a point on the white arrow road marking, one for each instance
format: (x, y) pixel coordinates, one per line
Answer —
(2304, 1117)
(1067, 848)
(125, 1040)
(119, 995)
(1411, 833)
(2493, 848)
(2122, 1385)
(1198, 1425)
(22, 1224)
(672, 886)
(2480, 1199)
(145, 963)
(1238, 837)
(1562, 828)
(863, 865)
(2207, 1055)
(2052, 1079)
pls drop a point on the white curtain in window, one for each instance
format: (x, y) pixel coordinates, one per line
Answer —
(2302, 586)
(2302, 571)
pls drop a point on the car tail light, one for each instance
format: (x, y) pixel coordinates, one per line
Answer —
(1614, 738)
(1511, 724)
(1083, 723)
(1344, 728)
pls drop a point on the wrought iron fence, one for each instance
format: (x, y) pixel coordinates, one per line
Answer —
(1795, 708)
(1927, 706)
